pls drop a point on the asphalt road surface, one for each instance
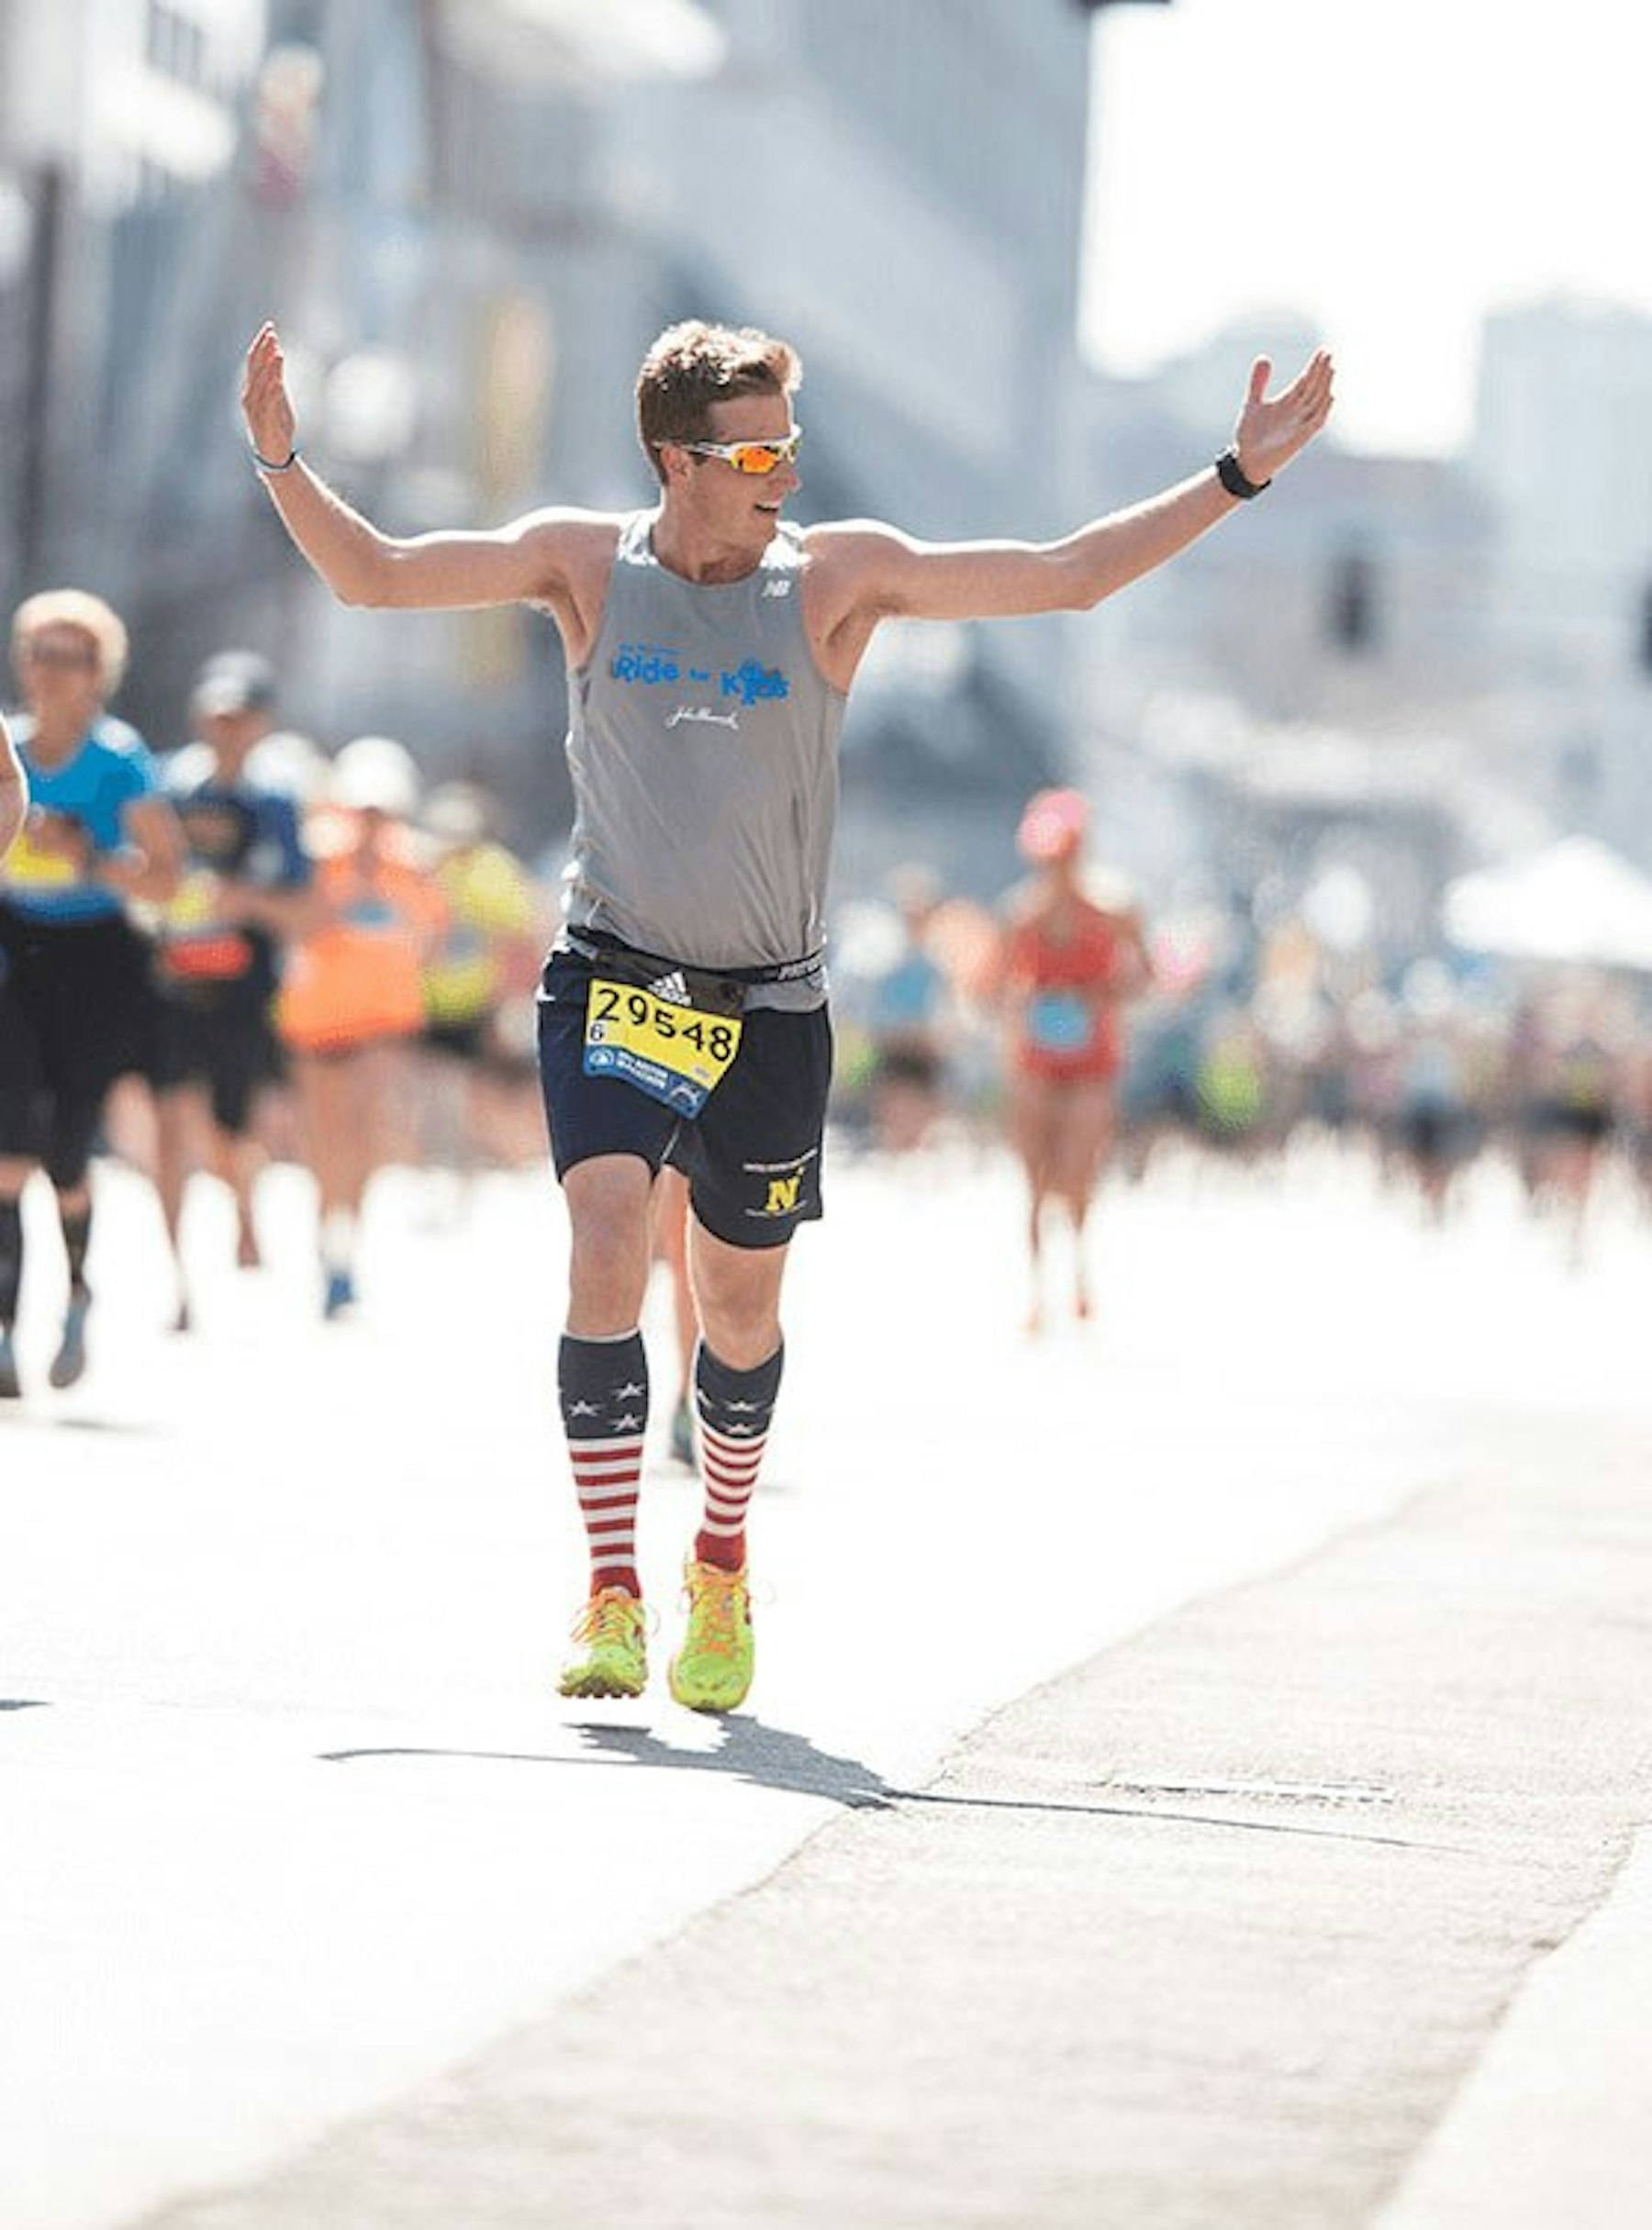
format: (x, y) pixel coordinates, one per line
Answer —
(1194, 1773)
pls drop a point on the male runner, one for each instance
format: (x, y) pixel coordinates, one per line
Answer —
(711, 649)
(246, 890)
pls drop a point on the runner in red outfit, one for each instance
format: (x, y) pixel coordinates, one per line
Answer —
(1070, 965)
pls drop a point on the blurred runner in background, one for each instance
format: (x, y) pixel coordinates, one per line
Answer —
(246, 890)
(1070, 966)
(480, 975)
(351, 1002)
(1571, 1064)
(77, 1002)
(906, 1018)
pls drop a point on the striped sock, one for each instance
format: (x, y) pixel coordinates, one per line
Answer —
(602, 1386)
(735, 1410)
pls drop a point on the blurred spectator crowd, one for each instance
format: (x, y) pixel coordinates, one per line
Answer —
(1243, 1046)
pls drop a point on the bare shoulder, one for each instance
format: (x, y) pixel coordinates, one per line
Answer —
(849, 586)
(565, 546)
(565, 559)
(827, 537)
(852, 551)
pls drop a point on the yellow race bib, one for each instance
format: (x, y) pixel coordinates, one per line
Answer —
(675, 1051)
(29, 865)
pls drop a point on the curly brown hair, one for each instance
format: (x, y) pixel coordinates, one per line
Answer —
(693, 365)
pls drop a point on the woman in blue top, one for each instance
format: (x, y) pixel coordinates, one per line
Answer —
(74, 981)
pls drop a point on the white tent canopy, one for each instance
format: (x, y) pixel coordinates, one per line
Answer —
(1578, 902)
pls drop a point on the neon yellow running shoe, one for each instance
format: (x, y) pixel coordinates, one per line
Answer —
(610, 1652)
(712, 1671)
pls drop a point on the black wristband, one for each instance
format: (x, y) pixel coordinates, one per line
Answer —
(267, 466)
(1231, 474)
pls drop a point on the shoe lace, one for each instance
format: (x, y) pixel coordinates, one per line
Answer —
(610, 1617)
(714, 1599)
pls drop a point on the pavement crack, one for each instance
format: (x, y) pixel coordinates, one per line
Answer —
(1177, 1817)
(1254, 1791)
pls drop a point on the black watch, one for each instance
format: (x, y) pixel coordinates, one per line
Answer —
(1231, 474)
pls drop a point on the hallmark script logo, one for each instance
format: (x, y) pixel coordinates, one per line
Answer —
(701, 712)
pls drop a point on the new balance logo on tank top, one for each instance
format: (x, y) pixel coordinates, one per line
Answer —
(703, 745)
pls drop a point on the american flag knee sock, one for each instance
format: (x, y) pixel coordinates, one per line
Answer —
(602, 1386)
(735, 1409)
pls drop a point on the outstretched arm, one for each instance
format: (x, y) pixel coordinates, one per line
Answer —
(875, 572)
(534, 560)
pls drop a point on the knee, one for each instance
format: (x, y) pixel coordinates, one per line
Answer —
(742, 1341)
(740, 1320)
(612, 1250)
(739, 1309)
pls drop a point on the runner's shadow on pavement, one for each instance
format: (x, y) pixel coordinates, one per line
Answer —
(767, 1757)
(772, 1758)
(763, 1756)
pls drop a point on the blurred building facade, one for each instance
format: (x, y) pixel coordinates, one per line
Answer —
(1562, 446)
(470, 216)
(116, 120)
(1409, 665)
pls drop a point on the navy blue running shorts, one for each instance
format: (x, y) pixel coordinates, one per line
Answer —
(752, 1156)
(228, 1047)
(77, 1009)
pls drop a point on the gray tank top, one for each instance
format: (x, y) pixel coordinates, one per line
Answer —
(703, 745)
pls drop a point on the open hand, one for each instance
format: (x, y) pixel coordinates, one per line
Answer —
(1271, 429)
(272, 425)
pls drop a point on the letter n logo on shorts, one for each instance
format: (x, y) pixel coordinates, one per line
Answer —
(782, 1195)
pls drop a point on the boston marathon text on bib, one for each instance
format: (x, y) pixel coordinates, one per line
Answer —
(676, 1048)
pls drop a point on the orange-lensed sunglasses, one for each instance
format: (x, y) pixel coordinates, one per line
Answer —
(746, 456)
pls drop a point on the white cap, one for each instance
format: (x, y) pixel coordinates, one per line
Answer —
(457, 812)
(375, 775)
(287, 761)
